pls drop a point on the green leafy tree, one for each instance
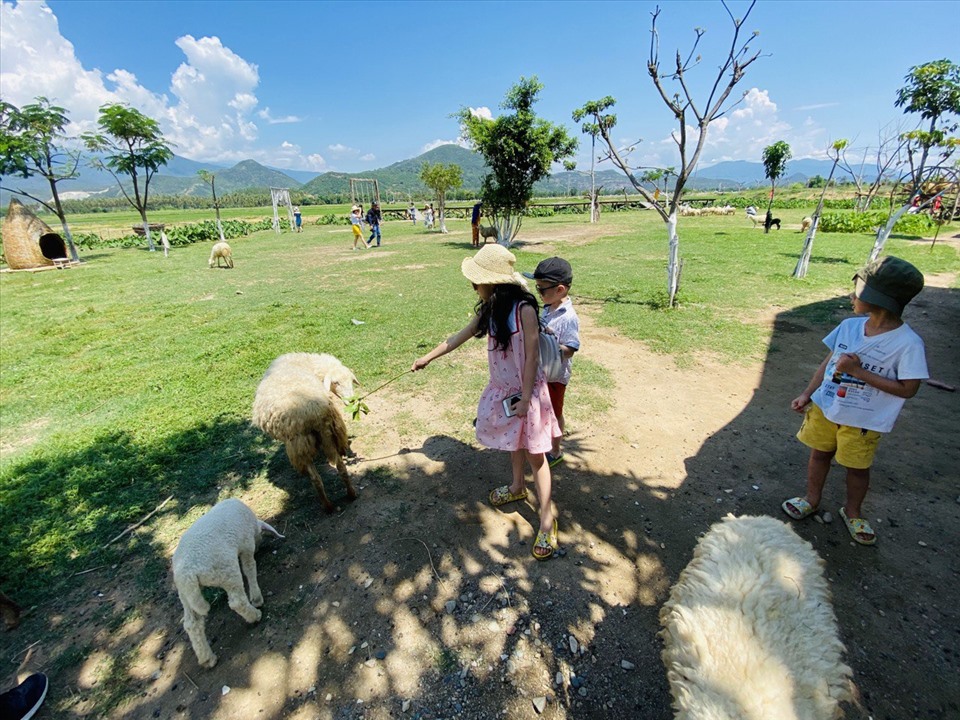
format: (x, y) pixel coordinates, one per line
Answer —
(595, 109)
(519, 148)
(133, 146)
(210, 179)
(689, 112)
(31, 144)
(932, 91)
(774, 165)
(441, 179)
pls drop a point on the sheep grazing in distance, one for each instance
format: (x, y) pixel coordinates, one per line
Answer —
(296, 403)
(212, 553)
(488, 232)
(749, 631)
(221, 251)
(805, 224)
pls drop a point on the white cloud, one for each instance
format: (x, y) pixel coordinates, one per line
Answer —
(285, 120)
(210, 113)
(369, 157)
(341, 149)
(437, 143)
(482, 112)
(817, 106)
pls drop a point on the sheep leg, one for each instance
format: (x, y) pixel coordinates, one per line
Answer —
(237, 597)
(194, 623)
(345, 477)
(249, 567)
(318, 486)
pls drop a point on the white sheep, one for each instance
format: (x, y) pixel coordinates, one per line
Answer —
(805, 224)
(749, 631)
(212, 553)
(221, 250)
(296, 403)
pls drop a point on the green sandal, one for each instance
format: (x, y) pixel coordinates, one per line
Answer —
(545, 544)
(502, 496)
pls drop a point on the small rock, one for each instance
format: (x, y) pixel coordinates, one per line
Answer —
(364, 645)
(728, 491)
(719, 500)
(351, 650)
(755, 487)
(582, 692)
(369, 663)
(225, 689)
(574, 645)
(329, 697)
(336, 603)
(368, 583)
(559, 679)
(921, 543)
(818, 518)
(827, 517)
(576, 682)
(539, 704)
(450, 606)
(463, 673)
(493, 626)
(404, 706)
(627, 665)
(380, 654)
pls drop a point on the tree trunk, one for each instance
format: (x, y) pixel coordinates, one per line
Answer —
(63, 221)
(803, 263)
(442, 202)
(146, 231)
(593, 182)
(673, 262)
(883, 234)
(766, 219)
(216, 206)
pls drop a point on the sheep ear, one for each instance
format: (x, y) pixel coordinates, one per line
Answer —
(327, 382)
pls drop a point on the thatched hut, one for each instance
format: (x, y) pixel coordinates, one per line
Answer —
(28, 242)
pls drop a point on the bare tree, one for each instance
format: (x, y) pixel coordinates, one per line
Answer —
(888, 157)
(211, 180)
(684, 108)
(804, 262)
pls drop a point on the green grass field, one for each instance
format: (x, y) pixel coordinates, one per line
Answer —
(130, 379)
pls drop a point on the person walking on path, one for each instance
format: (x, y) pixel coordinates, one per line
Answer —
(355, 227)
(876, 361)
(514, 413)
(374, 217)
(553, 278)
(475, 224)
(297, 218)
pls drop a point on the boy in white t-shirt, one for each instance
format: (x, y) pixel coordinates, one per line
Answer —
(553, 278)
(875, 363)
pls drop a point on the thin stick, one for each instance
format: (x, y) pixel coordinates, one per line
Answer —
(191, 680)
(84, 572)
(15, 656)
(429, 556)
(133, 527)
(363, 397)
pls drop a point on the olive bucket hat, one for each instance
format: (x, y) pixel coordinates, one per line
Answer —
(889, 283)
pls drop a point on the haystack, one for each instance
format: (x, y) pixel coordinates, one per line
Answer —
(28, 242)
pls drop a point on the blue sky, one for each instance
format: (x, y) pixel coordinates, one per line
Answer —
(350, 86)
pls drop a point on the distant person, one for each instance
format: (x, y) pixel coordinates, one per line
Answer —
(374, 216)
(475, 224)
(412, 212)
(875, 363)
(553, 278)
(427, 213)
(514, 413)
(23, 701)
(356, 220)
(297, 218)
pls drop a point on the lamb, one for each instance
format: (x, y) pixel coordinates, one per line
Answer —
(749, 630)
(296, 403)
(805, 224)
(212, 552)
(488, 232)
(221, 250)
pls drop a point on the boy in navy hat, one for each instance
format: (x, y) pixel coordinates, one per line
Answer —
(876, 361)
(553, 278)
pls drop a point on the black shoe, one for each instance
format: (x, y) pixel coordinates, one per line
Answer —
(24, 700)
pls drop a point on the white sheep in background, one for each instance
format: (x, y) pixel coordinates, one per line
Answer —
(805, 224)
(749, 631)
(221, 250)
(212, 553)
(296, 402)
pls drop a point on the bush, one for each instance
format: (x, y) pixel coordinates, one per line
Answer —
(178, 235)
(868, 222)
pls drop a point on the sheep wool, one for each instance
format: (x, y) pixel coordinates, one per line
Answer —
(749, 631)
(296, 404)
(212, 553)
(221, 251)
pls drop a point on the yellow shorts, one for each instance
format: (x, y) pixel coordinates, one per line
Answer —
(854, 447)
(356, 230)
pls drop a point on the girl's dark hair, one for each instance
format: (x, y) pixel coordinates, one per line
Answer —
(495, 313)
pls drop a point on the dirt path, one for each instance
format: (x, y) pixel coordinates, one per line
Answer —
(420, 600)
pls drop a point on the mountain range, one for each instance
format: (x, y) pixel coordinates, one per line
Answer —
(401, 179)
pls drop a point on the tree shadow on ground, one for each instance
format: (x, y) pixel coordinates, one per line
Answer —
(892, 600)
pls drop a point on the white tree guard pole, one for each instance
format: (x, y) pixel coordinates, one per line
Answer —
(166, 243)
(883, 234)
(146, 231)
(803, 263)
(276, 216)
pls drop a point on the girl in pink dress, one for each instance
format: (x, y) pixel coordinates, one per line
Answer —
(507, 315)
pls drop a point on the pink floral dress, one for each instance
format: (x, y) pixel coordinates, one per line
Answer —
(536, 431)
